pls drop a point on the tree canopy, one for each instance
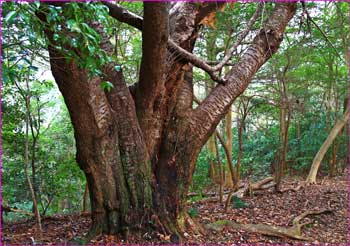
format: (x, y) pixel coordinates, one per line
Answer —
(133, 110)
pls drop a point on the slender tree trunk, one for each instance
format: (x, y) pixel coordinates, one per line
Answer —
(333, 159)
(211, 53)
(285, 116)
(311, 179)
(26, 156)
(241, 123)
(34, 171)
(213, 156)
(280, 160)
(228, 130)
(229, 162)
(221, 173)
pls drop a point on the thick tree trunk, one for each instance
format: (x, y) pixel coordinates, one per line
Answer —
(110, 149)
(311, 179)
(85, 199)
(138, 151)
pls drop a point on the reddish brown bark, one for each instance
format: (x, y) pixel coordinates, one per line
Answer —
(139, 151)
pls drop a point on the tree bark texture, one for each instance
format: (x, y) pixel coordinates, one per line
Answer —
(311, 178)
(138, 150)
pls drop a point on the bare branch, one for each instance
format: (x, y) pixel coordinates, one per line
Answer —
(322, 32)
(195, 60)
(240, 38)
(200, 63)
(124, 15)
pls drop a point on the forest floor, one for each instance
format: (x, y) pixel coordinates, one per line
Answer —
(266, 207)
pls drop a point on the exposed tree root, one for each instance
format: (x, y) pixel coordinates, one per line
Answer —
(249, 189)
(300, 186)
(277, 231)
(194, 225)
(16, 210)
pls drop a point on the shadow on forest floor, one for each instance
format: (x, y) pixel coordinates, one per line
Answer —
(265, 207)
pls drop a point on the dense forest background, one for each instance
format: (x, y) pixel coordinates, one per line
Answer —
(279, 122)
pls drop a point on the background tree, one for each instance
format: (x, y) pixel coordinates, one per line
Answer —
(134, 115)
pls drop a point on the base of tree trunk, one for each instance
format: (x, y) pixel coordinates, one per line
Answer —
(311, 181)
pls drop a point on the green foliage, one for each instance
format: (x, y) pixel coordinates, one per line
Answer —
(193, 212)
(200, 177)
(106, 85)
(313, 71)
(58, 181)
(238, 203)
(315, 75)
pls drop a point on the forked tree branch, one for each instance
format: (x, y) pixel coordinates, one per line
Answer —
(200, 63)
(123, 15)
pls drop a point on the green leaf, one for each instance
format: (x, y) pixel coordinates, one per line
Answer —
(118, 68)
(238, 203)
(56, 37)
(73, 26)
(37, 4)
(91, 48)
(193, 212)
(9, 17)
(106, 85)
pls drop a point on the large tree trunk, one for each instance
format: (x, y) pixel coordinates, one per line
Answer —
(138, 150)
(110, 149)
(311, 178)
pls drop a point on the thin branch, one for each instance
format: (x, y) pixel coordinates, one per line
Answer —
(240, 38)
(322, 32)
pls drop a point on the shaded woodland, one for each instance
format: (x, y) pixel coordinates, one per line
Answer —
(175, 122)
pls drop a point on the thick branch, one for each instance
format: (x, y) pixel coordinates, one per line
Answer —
(200, 63)
(123, 15)
(150, 88)
(195, 60)
(266, 42)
